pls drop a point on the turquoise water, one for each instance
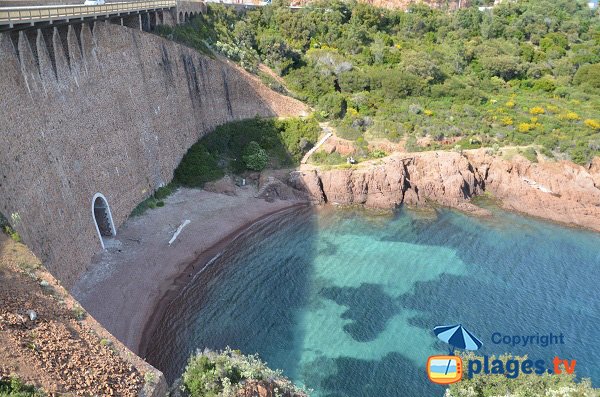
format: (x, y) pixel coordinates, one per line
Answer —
(345, 301)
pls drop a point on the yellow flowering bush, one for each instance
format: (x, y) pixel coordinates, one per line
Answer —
(571, 116)
(534, 120)
(525, 127)
(537, 110)
(507, 121)
(510, 104)
(593, 124)
(428, 112)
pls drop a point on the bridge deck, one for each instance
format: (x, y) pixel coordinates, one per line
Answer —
(10, 16)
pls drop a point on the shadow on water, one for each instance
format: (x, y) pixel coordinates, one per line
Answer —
(525, 277)
(380, 378)
(248, 298)
(368, 306)
(345, 303)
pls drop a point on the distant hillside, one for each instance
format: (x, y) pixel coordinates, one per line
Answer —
(404, 4)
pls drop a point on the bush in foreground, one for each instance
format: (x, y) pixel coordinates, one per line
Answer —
(229, 373)
(13, 387)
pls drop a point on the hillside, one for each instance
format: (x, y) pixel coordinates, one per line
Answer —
(525, 73)
(405, 4)
(48, 340)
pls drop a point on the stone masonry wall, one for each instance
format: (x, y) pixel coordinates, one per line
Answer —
(102, 109)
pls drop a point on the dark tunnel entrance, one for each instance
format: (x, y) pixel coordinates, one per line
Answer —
(102, 218)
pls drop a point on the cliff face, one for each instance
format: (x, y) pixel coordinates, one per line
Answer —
(560, 191)
(103, 109)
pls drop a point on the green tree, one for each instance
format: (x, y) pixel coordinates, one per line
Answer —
(255, 158)
(588, 76)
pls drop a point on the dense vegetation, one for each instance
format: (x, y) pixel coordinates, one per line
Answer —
(238, 147)
(13, 387)
(523, 385)
(524, 73)
(249, 145)
(222, 374)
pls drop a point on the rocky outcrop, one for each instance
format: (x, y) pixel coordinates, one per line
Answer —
(559, 191)
(445, 178)
(272, 185)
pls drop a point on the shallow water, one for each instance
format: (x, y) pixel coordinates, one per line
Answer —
(344, 301)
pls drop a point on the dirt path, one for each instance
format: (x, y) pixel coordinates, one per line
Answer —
(328, 134)
(124, 284)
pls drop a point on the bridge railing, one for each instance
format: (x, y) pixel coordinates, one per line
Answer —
(18, 15)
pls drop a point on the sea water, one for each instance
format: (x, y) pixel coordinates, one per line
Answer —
(345, 301)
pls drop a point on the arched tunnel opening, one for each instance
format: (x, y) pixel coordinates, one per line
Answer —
(102, 218)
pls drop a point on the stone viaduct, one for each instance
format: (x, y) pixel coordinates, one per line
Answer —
(95, 116)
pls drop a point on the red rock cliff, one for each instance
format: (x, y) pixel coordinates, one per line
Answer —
(558, 191)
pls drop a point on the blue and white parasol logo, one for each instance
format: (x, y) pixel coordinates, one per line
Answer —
(457, 336)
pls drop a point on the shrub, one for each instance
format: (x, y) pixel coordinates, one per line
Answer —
(525, 127)
(324, 158)
(163, 192)
(377, 154)
(505, 66)
(593, 124)
(546, 83)
(255, 157)
(212, 374)
(571, 116)
(6, 228)
(333, 105)
(79, 313)
(588, 76)
(530, 154)
(298, 135)
(13, 387)
(537, 110)
(197, 167)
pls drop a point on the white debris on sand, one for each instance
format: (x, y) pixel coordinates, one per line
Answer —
(179, 229)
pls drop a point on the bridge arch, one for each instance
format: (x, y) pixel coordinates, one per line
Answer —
(102, 217)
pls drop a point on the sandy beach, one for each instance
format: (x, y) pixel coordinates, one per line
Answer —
(126, 285)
